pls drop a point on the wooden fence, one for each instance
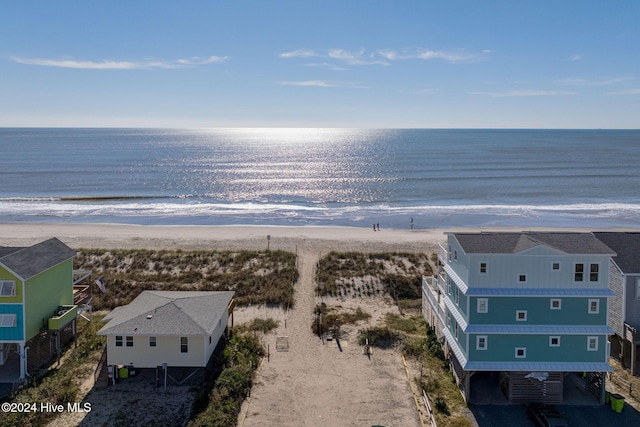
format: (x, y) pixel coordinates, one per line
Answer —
(622, 383)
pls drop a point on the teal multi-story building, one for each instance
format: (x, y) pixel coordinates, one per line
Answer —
(529, 308)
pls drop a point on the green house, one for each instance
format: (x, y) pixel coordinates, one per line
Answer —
(36, 302)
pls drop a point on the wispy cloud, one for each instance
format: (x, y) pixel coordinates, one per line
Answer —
(594, 82)
(316, 83)
(325, 65)
(626, 92)
(356, 58)
(426, 54)
(116, 65)
(574, 57)
(524, 92)
(385, 57)
(196, 60)
(300, 53)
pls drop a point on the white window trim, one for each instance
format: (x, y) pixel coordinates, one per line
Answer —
(478, 339)
(551, 338)
(524, 352)
(598, 273)
(7, 288)
(525, 278)
(559, 307)
(8, 320)
(589, 340)
(154, 341)
(128, 339)
(119, 341)
(597, 310)
(187, 345)
(457, 296)
(559, 266)
(486, 305)
(518, 317)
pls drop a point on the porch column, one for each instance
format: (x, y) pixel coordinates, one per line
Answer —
(23, 360)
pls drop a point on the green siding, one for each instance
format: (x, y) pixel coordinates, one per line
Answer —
(45, 292)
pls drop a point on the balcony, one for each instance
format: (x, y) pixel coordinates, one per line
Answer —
(64, 315)
(434, 297)
(631, 334)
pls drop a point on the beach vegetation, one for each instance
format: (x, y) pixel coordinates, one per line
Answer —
(359, 275)
(257, 277)
(218, 402)
(332, 318)
(257, 325)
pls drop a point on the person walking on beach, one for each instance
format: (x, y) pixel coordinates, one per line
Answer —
(378, 226)
(374, 227)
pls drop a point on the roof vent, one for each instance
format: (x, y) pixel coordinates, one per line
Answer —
(149, 316)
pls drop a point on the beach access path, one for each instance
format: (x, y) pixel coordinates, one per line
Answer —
(318, 382)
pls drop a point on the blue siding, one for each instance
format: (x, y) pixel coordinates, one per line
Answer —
(15, 333)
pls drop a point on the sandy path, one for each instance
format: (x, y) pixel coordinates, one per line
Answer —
(317, 384)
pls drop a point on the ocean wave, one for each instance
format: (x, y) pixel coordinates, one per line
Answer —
(135, 206)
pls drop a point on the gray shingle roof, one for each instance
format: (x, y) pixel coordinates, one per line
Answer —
(627, 247)
(183, 313)
(31, 261)
(509, 243)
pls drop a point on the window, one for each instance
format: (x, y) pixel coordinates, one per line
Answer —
(522, 278)
(455, 255)
(152, 341)
(521, 352)
(594, 269)
(184, 344)
(579, 273)
(456, 330)
(118, 340)
(481, 342)
(7, 288)
(555, 304)
(7, 320)
(449, 253)
(483, 267)
(457, 295)
(594, 306)
(129, 341)
(554, 341)
(521, 315)
(449, 287)
(209, 340)
(483, 305)
(555, 266)
(592, 343)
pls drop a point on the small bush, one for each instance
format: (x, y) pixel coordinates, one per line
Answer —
(441, 406)
(379, 337)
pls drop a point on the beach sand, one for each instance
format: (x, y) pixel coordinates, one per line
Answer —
(314, 382)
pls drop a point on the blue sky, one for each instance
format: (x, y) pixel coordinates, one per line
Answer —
(321, 63)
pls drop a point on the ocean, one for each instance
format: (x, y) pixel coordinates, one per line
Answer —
(399, 178)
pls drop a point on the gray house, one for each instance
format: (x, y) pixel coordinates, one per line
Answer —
(170, 329)
(624, 308)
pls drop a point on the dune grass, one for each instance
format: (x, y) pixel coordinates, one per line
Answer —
(357, 275)
(257, 277)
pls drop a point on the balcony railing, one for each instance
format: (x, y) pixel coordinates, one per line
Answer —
(63, 316)
(434, 297)
(443, 254)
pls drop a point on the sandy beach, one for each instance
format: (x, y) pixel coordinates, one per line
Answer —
(314, 382)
